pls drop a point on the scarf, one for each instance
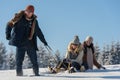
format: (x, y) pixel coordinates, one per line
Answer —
(90, 58)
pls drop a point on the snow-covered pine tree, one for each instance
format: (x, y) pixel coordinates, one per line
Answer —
(118, 51)
(57, 56)
(27, 63)
(112, 53)
(102, 56)
(106, 53)
(44, 57)
(116, 55)
(11, 60)
(97, 51)
(2, 56)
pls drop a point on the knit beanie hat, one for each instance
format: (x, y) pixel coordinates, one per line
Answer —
(89, 38)
(30, 8)
(75, 40)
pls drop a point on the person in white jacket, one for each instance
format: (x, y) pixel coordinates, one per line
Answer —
(74, 54)
(73, 59)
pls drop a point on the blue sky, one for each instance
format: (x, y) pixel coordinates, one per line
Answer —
(60, 20)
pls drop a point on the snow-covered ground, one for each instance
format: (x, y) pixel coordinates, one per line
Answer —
(112, 73)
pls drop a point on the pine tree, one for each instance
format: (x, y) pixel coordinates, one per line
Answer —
(97, 51)
(112, 53)
(44, 57)
(27, 63)
(103, 56)
(118, 51)
(2, 56)
(116, 55)
(57, 56)
(106, 53)
(11, 60)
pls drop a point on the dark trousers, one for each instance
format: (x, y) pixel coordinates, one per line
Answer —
(76, 65)
(85, 65)
(62, 64)
(20, 53)
(65, 64)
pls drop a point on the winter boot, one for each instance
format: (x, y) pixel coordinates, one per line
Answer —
(36, 72)
(19, 73)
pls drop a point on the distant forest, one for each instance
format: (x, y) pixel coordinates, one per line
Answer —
(109, 55)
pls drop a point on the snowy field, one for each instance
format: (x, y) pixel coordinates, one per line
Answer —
(112, 73)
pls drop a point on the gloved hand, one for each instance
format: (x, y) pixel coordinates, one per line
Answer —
(102, 67)
(8, 36)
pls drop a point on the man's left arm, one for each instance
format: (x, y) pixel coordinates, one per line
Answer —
(40, 34)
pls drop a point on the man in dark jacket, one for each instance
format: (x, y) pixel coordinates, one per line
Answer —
(22, 32)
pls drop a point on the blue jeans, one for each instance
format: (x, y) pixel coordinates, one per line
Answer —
(20, 53)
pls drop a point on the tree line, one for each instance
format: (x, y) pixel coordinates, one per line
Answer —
(109, 55)
(45, 58)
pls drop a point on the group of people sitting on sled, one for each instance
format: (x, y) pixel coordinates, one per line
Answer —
(79, 57)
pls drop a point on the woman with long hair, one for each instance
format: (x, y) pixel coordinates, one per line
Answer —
(73, 59)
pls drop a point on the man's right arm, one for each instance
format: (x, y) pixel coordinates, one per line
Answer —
(8, 31)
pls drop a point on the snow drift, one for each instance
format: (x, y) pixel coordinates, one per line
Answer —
(112, 73)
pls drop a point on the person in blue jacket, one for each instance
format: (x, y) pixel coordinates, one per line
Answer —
(22, 31)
